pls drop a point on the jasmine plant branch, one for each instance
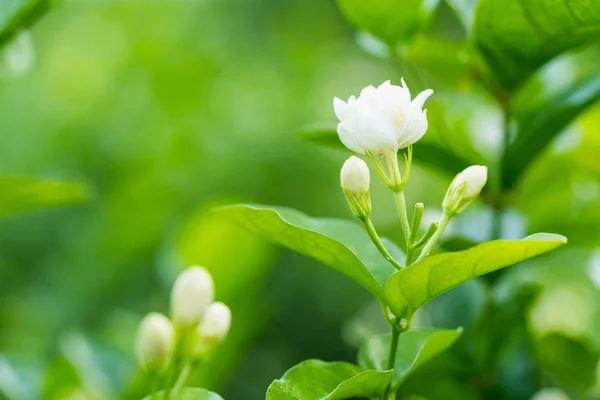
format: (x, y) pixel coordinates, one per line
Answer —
(370, 228)
(392, 359)
(428, 234)
(184, 375)
(414, 232)
(400, 202)
(443, 223)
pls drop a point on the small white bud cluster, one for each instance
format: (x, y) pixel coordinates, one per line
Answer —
(355, 180)
(465, 188)
(198, 324)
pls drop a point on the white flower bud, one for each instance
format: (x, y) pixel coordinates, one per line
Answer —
(355, 180)
(465, 188)
(213, 328)
(381, 119)
(155, 341)
(355, 176)
(192, 293)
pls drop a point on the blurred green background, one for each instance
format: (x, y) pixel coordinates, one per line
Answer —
(165, 109)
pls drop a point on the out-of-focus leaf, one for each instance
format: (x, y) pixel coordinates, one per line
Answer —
(18, 14)
(341, 245)
(428, 154)
(17, 57)
(465, 10)
(531, 32)
(538, 128)
(409, 289)
(319, 380)
(415, 348)
(187, 394)
(439, 60)
(15, 386)
(100, 370)
(60, 378)
(568, 362)
(25, 193)
(389, 20)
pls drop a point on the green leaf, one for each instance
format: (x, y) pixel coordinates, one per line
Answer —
(427, 154)
(568, 362)
(409, 289)
(389, 20)
(19, 194)
(415, 348)
(516, 37)
(187, 394)
(465, 10)
(538, 128)
(319, 380)
(19, 14)
(339, 244)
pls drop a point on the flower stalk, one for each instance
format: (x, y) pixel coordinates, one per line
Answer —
(370, 228)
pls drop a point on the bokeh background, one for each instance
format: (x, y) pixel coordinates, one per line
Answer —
(163, 110)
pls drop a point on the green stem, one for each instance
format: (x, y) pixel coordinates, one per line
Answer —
(392, 360)
(393, 349)
(436, 236)
(184, 375)
(368, 224)
(415, 226)
(403, 214)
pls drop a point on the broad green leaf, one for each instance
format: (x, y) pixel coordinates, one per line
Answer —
(516, 37)
(409, 289)
(25, 193)
(18, 14)
(341, 245)
(187, 394)
(319, 380)
(388, 20)
(537, 129)
(415, 348)
(427, 154)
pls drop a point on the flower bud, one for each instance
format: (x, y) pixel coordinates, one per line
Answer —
(154, 342)
(355, 180)
(355, 176)
(213, 328)
(192, 293)
(465, 188)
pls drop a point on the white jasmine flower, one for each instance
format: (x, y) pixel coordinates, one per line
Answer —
(155, 341)
(192, 293)
(382, 119)
(355, 176)
(465, 187)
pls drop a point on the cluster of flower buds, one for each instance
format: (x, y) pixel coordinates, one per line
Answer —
(196, 327)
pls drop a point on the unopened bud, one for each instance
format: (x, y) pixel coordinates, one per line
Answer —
(154, 342)
(192, 293)
(355, 180)
(465, 188)
(213, 328)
